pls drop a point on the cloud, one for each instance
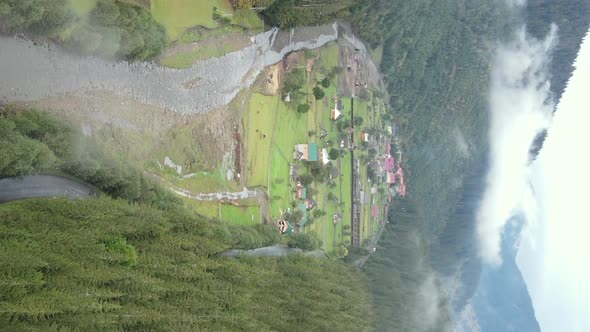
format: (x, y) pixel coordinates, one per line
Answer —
(520, 107)
(462, 145)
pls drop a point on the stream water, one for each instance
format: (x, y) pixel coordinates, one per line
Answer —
(29, 71)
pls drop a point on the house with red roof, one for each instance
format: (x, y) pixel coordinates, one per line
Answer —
(389, 163)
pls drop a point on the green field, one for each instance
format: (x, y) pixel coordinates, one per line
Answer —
(241, 215)
(290, 129)
(259, 121)
(178, 15)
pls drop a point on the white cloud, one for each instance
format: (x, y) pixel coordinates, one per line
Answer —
(520, 109)
(553, 252)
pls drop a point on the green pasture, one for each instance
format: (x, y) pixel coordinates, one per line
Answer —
(259, 120)
(290, 129)
(178, 15)
(242, 215)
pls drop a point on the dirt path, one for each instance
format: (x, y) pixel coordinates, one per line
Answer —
(260, 196)
(32, 186)
(222, 195)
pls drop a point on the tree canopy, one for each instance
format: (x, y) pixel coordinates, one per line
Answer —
(106, 264)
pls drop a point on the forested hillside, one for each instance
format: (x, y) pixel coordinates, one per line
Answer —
(112, 28)
(407, 294)
(109, 265)
(435, 63)
(572, 18)
(143, 262)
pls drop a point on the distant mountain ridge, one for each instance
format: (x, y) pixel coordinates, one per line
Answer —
(502, 301)
(572, 18)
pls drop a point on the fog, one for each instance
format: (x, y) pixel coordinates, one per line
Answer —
(520, 107)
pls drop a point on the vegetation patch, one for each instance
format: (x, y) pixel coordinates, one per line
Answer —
(178, 15)
(259, 123)
(60, 277)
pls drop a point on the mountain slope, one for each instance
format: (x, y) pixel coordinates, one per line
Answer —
(502, 301)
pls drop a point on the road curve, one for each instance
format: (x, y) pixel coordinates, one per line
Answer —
(32, 186)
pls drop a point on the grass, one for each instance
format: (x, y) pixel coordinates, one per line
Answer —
(290, 129)
(248, 19)
(329, 56)
(243, 215)
(259, 121)
(178, 15)
(208, 209)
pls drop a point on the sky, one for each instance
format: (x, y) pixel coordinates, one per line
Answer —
(554, 248)
(550, 192)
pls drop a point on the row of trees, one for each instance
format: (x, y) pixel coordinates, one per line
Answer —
(112, 29)
(292, 13)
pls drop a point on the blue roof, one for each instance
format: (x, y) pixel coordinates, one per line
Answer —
(312, 151)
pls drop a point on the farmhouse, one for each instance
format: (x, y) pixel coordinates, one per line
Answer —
(307, 152)
(390, 178)
(285, 227)
(337, 112)
(365, 137)
(389, 164)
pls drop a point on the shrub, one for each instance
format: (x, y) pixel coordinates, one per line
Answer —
(303, 108)
(318, 93)
(304, 241)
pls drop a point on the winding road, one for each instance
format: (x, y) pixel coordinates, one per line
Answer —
(33, 186)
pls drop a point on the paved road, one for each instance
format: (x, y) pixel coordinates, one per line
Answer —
(32, 186)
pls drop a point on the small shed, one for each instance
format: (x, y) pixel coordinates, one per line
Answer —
(336, 218)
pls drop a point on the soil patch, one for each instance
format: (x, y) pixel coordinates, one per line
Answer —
(270, 84)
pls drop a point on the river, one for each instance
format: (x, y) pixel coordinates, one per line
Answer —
(31, 71)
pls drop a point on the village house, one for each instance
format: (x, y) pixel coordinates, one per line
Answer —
(337, 112)
(307, 152)
(365, 137)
